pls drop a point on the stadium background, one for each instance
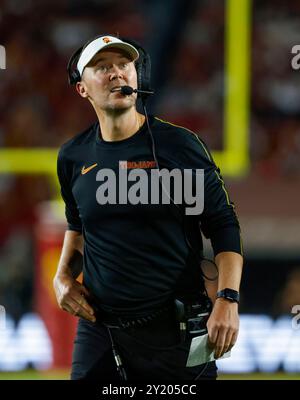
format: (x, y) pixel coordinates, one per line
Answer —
(220, 68)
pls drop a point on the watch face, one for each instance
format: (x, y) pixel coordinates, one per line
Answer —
(229, 294)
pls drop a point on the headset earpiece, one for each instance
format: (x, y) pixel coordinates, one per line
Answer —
(74, 78)
(73, 73)
(143, 68)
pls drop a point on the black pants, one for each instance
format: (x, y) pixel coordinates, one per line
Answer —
(149, 353)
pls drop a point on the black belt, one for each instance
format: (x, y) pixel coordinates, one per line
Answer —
(121, 322)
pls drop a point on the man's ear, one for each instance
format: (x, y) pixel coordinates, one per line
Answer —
(82, 89)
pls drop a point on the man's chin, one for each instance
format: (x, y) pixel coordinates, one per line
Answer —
(119, 106)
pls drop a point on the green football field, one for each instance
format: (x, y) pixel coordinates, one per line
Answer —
(64, 375)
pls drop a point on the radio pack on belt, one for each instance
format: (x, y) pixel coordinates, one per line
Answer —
(192, 316)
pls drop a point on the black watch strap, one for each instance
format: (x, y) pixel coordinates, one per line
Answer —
(229, 294)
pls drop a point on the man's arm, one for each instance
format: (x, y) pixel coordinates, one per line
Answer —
(219, 223)
(223, 323)
(70, 294)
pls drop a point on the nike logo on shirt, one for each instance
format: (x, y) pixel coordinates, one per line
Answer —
(85, 170)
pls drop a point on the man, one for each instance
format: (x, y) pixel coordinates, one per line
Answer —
(139, 257)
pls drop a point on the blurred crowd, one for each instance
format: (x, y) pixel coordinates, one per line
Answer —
(39, 109)
(194, 94)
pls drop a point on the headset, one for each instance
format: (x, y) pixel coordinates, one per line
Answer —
(142, 65)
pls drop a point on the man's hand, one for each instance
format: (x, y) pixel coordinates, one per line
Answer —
(223, 326)
(70, 296)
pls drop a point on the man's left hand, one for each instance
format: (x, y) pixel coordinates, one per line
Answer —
(223, 326)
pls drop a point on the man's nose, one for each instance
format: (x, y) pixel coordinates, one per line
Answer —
(115, 73)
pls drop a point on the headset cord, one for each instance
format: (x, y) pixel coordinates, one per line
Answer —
(196, 255)
(118, 360)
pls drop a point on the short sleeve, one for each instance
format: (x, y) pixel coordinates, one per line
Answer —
(71, 210)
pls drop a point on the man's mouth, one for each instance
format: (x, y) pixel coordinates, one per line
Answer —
(116, 89)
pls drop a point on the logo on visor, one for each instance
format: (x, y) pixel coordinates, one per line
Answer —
(106, 40)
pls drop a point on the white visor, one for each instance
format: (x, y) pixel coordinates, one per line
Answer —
(101, 43)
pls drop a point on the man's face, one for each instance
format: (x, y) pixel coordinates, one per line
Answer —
(109, 69)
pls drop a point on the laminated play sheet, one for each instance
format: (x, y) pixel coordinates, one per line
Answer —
(200, 353)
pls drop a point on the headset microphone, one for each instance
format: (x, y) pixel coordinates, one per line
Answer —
(128, 90)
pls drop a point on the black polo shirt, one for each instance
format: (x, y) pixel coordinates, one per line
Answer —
(137, 255)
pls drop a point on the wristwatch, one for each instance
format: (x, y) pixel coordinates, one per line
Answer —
(229, 294)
